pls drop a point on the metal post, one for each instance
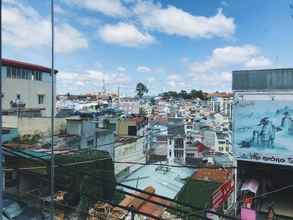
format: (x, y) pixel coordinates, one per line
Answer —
(52, 213)
(235, 185)
(132, 212)
(1, 96)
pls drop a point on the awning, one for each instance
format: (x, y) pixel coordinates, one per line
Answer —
(250, 185)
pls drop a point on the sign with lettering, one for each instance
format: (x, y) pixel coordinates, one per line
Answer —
(263, 131)
(222, 194)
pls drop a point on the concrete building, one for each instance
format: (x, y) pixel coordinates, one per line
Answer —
(105, 140)
(176, 140)
(128, 149)
(129, 105)
(85, 129)
(132, 126)
(221, 103)
(27, 88)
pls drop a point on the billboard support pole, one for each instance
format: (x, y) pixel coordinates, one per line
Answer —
(235, 185)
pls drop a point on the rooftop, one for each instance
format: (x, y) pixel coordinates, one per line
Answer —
(214, 175)
(30, 66)
(166, 180)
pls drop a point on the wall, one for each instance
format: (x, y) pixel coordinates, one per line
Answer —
(263, 127)
(73, 127)
(129, 152)
(29, 91)
(122, 127)
(210, 139)
(28, 125)
(105, 141)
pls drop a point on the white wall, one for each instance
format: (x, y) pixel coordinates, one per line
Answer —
(34, 125)
(129, 152)
(29, 91)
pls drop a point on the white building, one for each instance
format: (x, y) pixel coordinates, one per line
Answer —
(26, 88)
(129, 105)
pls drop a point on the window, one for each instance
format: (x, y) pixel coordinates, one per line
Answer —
(41, 99)
(9, 72)
(132, 130)
(22, 73)
(189, 155)
(178, 153)
(18, 73)
(13, 72)
(90, 142)
(179, 143)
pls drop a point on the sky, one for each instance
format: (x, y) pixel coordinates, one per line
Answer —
(167, 44)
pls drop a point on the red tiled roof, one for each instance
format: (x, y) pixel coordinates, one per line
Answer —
(144, 206)
(152, 208)
(215, 175)
(20, 64)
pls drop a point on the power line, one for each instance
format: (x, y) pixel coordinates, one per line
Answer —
(152, 194)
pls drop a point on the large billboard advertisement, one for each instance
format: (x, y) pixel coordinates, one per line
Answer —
(263, 131)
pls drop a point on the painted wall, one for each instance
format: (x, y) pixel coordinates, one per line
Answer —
(129, 152)
(263, 128)
(34, 125)
(29, 91)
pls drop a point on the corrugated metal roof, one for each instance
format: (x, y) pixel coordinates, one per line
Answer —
(266, 79)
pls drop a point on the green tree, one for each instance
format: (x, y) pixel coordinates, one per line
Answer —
(141, 89)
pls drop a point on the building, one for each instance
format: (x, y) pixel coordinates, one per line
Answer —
(221, 102)
(85, 130)
(262, 138)
(128, 149)
(129, 105)
(176, 140)
(213, 189)
(105, 140)
(132, 126)
(27, 88)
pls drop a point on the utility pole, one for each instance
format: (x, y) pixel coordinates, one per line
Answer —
(52, 189)
(1, 97)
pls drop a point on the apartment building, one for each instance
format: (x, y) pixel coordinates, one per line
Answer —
(27, 88)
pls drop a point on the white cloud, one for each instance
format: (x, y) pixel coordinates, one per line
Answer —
(231, 56)
(151, 79)
(224, 3)
(69, 39)
(59, 10)
(258, 62)
(107, 7)
(214, 73)
(89, 81)
(24, 27)
(125, 35)
(175, 21)
(94, 76)
(121, 69)
(143, 69)
(175, 81)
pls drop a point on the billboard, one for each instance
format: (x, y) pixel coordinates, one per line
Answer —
(263, 131)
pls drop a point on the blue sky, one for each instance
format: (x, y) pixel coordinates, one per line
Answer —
(168, 45)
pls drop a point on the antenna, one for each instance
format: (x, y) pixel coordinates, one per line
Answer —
(104, 87)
